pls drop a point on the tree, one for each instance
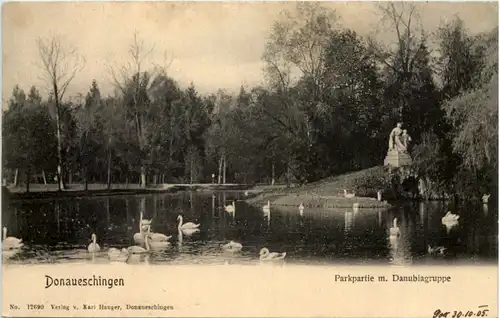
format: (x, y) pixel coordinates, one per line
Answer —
(135, 84)
(60, 64)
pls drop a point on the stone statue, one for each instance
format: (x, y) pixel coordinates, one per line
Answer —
(396, 139)
(397, 155)
(406, 139)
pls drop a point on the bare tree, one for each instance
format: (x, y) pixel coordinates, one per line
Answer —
(137, 80)
(399, 57)
(60, 64)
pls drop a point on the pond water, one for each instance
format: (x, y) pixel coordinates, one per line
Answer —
(57, 231)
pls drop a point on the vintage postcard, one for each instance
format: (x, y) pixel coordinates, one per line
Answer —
(250, 159)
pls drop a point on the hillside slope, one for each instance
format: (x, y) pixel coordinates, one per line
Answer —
(329, 192)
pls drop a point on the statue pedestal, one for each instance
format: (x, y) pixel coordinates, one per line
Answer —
(397, 159)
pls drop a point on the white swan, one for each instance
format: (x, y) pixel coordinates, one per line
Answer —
(349, 195)
(232, 246)
(450, 218)
(230, 208)
(155, 245)
(486, 198)
(115, 254)
(139, 237)
(157, 237)
(136, 249)
(186, 226)
(265, 255)
(11, 242)
(394, 230)
(94, 247)
(379, 195)
(436, 250)
(267, 208)
(301, 208)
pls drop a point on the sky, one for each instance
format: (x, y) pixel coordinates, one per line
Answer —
(214, 45)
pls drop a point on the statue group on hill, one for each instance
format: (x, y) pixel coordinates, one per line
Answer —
(399, 139)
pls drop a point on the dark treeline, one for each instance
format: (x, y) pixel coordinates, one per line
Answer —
(330, 101)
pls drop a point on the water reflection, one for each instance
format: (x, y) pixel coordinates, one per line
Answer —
(59, 231)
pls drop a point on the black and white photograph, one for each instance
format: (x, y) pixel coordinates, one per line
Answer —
(269, 134)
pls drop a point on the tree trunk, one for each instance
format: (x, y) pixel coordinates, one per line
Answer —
(272, 173)
(288, 174)
(109, 171)
(86, 178)
(44, 178)
(28, 172)
(70, 177)
(143, 176)
(220, 170)
(191, 170)
(15, 177)
(107, 210)
(59, 142)
(224, 170)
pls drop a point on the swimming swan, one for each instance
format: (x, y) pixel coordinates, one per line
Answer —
(265, 255)
(436, 250)
(394, 230)
(486, 198)
(349, 195)
(94, 247)
(232, 247)
(10, 242)
(157, 237)
(450, 218)
(186, 226)
(155, 245)
(230, 208)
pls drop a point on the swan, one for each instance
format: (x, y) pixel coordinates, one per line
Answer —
(11, 242)
(136, 249)
(436, 250)
(115, 254)
(394, 230)
(232, 247)
(186, 226)
(230, 208)
(267, 208)
(265, 255)
(246, 193)
(157, 237)
(355, 207)
(450, 218)
(139, 237)
(155, 245)
(379, 195)
(189, 231)
(94, 247)
(486, 198)
(349, 195)
(301, 208)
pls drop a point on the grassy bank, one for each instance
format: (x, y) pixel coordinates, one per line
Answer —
(329, 192)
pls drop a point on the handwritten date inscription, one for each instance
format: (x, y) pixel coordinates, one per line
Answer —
(481, 311)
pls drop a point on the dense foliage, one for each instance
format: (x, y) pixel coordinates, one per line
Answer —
(331, 99)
